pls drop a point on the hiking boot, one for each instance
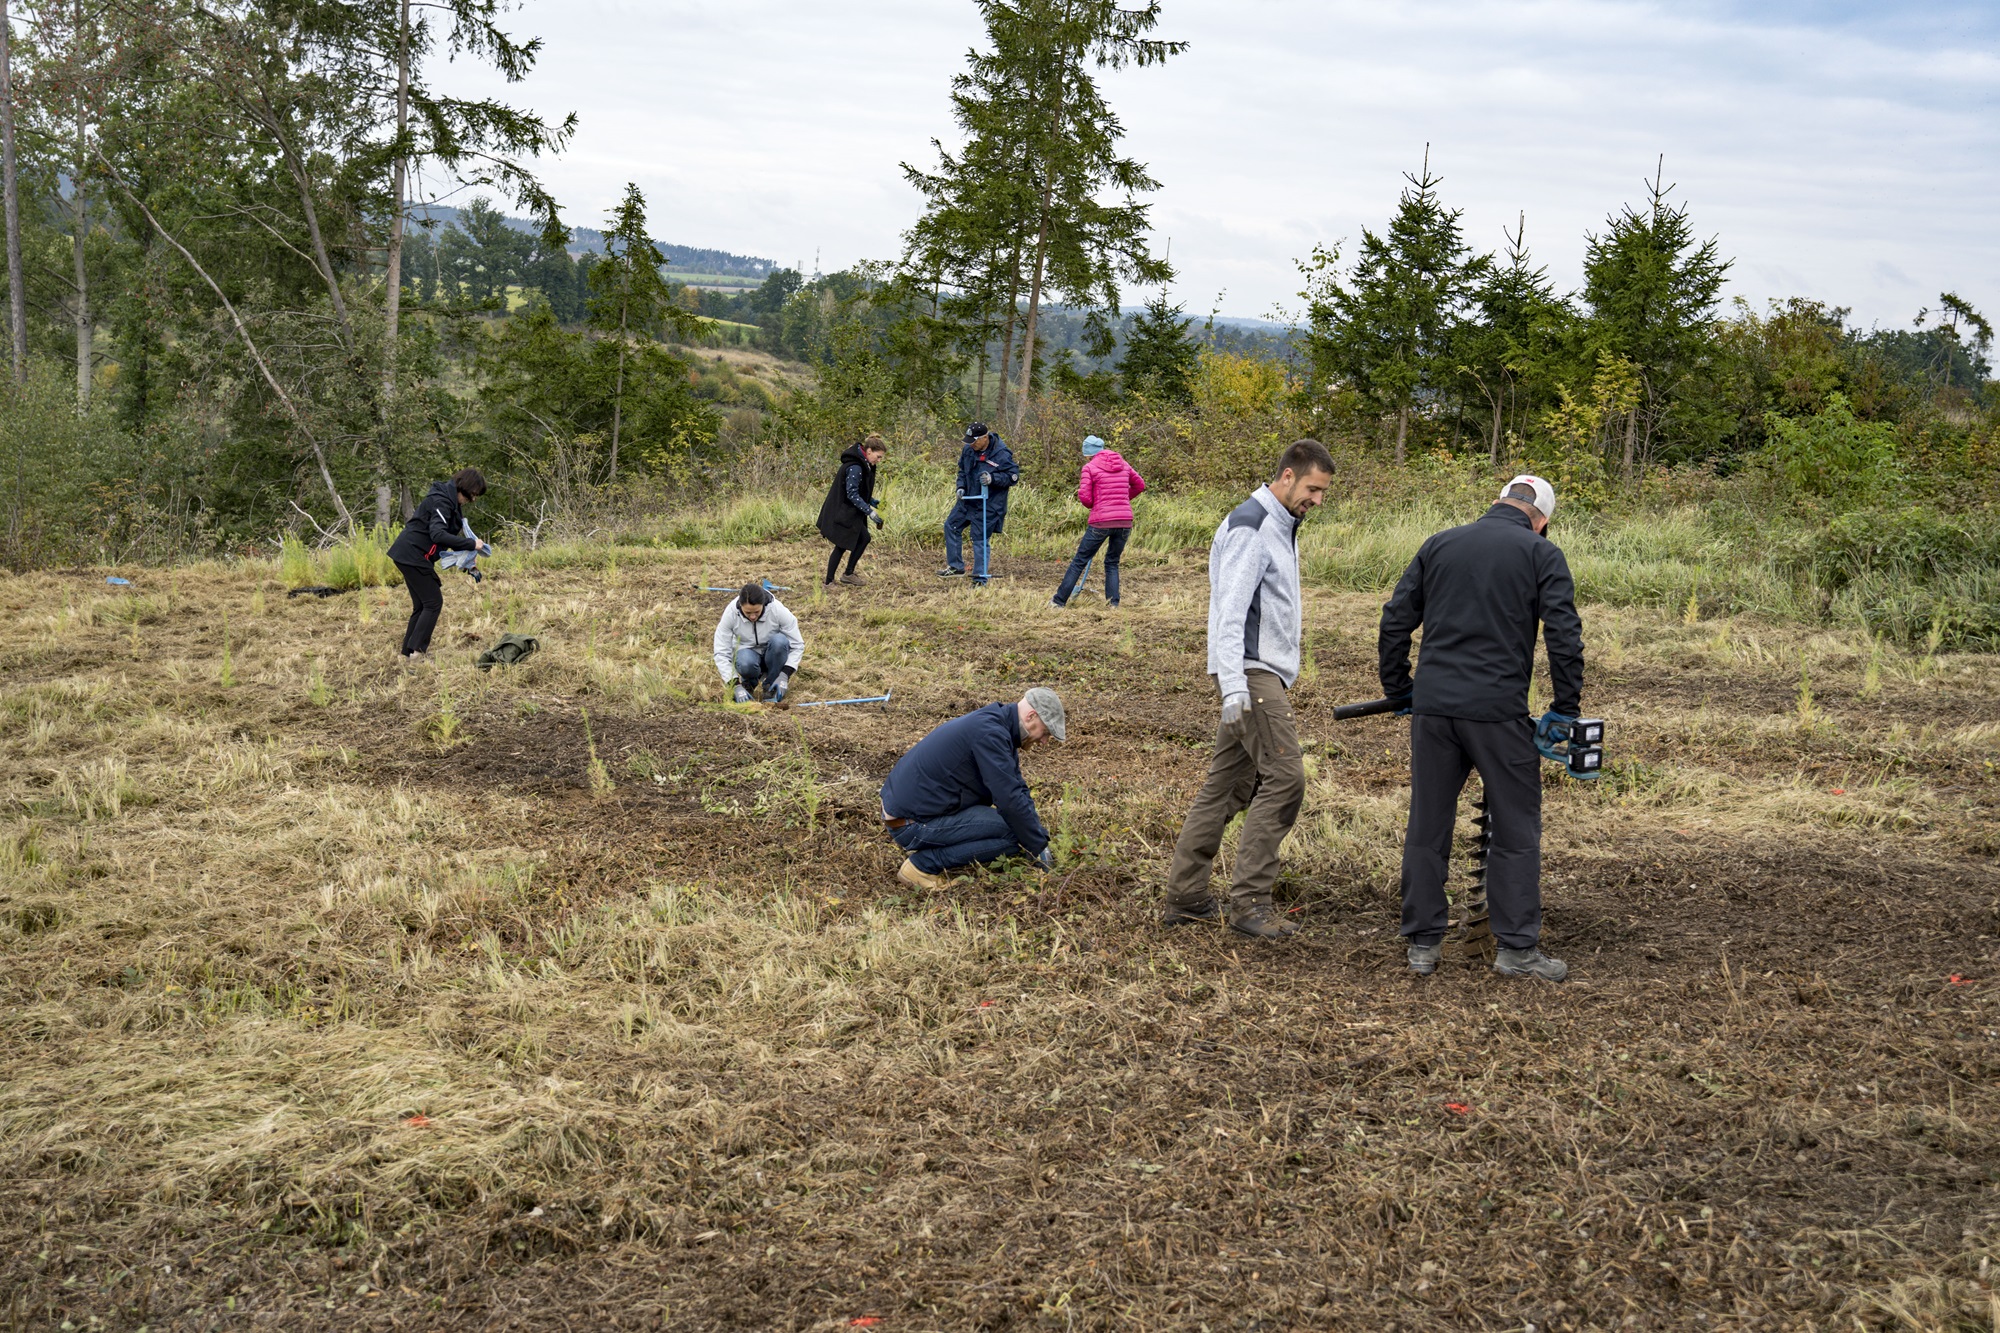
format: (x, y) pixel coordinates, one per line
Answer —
(1262, 921)
(1424, 958)
(949, 573)
(1054, 605)
(1530, 963)
(917, 879)
(853, 579)
(1207, 911)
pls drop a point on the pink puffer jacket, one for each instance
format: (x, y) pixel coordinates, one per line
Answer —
(1108, 485)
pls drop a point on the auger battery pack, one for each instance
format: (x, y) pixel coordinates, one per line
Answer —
(1585, 731)
(1586, 761)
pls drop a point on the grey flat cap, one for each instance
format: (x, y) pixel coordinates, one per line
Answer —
(1049, 709)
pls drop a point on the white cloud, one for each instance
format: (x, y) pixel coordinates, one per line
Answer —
(1836, 152)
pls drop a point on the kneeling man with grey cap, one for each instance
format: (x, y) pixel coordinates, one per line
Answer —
(957, 797)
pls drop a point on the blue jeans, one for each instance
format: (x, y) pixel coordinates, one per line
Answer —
(977, 835)
(1086, 550)
(765, 668)
(968, 514)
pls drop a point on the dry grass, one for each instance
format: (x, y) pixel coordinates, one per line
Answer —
(342, 998)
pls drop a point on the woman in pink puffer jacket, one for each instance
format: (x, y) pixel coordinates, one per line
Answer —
(1107, 487)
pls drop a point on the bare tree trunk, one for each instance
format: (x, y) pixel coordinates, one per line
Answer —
(618, 393)
(1013, 320)
(1402, 433)
(1034, 313)
(79, 233)
(249, 343)
(303, 184)
(392, 296)
(1631, 440)
(17, 294)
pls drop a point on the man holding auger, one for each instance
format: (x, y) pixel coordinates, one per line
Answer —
(1254, 641)
(1479, 591)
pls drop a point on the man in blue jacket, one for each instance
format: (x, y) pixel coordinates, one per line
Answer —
(986, 469)
(957, 798)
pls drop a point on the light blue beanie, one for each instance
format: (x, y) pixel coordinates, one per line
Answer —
(1091, 445)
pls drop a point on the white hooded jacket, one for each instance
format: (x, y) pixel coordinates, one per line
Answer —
(733, 632)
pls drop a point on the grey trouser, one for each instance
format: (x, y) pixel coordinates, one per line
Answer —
(1257, 766)
(1443, 750)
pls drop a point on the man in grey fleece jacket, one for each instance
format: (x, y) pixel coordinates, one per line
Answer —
(1253, 657)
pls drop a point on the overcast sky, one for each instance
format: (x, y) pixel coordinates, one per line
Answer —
(1839, 150)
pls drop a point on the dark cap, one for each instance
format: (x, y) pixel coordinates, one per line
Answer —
(975, 430)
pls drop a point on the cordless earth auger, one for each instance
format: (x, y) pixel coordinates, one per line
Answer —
(1575, 743)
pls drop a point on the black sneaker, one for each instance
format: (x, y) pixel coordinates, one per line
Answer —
(1207, 911)
(949, 573)
(1530, 963)
(1262, 922)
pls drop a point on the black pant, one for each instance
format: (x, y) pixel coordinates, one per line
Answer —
(1443, 750)
(853, 557)
(426, 600)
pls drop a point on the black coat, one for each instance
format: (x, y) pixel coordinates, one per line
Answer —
(437, 525)
(1479, 591)
(840, 520)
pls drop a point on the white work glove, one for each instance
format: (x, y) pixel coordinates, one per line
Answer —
(1234, 706)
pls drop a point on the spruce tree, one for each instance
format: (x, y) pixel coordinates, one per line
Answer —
(1513, 351)
(1652, 292)
(1388, 332)
(1160, 359)
(629, 298)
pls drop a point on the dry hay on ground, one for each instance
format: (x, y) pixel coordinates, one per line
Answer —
(571, 998)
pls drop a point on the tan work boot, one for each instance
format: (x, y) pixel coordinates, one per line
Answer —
(915, 878)
(1262, 921)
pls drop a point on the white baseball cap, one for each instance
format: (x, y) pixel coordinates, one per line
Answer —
(1545, 494)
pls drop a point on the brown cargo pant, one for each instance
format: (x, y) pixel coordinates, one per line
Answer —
(1257, 765)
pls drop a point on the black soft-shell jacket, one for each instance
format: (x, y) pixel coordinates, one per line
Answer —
(841, 520)
(1479, 591)
(437, 525)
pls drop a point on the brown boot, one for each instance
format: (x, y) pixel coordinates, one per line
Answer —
(1206, 912)
(1262, 921)
(853, 578)
(917, 879)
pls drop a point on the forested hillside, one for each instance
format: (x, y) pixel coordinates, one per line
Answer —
(275, 277)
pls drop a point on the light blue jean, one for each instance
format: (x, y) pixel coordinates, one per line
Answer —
(766, 668)
(969, 837)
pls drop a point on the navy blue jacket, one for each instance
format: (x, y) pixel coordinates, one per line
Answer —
(1479, 591)
(970, 760)
(998, 460)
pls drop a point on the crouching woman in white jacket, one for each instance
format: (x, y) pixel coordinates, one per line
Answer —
(758, 645)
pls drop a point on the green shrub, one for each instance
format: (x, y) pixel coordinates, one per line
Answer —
(1913, 544)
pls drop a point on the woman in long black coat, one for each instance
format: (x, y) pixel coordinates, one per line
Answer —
(851, 506)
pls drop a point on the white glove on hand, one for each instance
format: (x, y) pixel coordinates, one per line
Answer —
(1234, 706)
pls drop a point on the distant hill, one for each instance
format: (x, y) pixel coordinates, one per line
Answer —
(686, 258)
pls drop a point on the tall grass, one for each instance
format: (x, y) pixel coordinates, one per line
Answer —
(361, 561)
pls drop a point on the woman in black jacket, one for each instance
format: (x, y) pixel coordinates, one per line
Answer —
(437, 525)
(851, 506)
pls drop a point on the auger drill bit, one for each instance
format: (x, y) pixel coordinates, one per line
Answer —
(1471, 937)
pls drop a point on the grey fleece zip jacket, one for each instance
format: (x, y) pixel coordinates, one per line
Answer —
(1253, 594)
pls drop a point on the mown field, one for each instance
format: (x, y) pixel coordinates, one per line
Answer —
(341, 997)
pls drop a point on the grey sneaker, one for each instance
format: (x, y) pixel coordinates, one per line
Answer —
(1529, 963)
(1424, 958)
(949, 573)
